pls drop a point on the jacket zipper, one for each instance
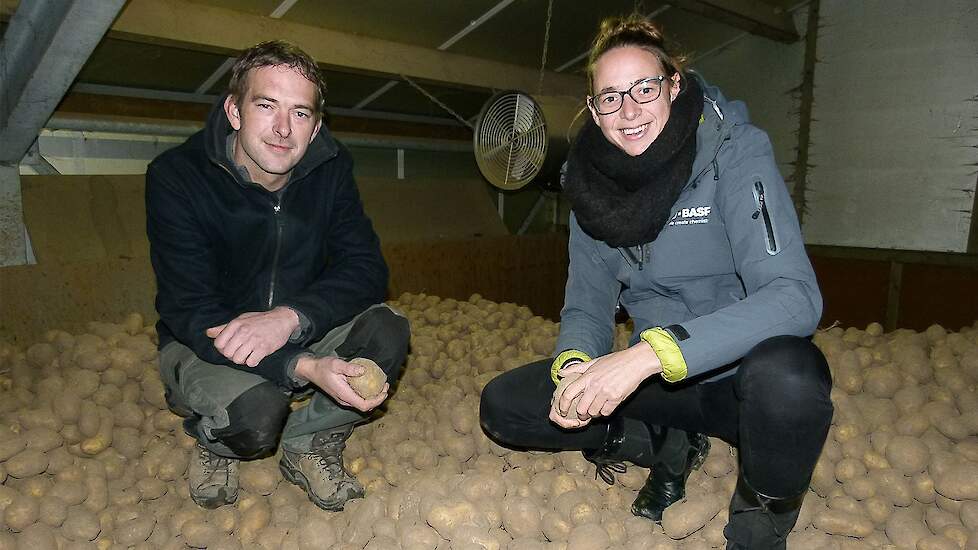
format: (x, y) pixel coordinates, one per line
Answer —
(772, 244)
(279, 223)
(640, 260)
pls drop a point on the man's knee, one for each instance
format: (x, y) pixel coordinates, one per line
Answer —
(381, 335)
(256, 419)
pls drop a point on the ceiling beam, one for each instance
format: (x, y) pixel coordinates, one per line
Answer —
(196, 26)
(42, 51)
(752, 16)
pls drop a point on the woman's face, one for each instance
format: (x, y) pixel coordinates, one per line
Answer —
(635, 125)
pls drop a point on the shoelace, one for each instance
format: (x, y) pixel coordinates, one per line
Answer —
(330, 457)
(212, 462)
(607, 470)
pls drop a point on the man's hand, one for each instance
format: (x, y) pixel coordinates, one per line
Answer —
(252, 336)
(604, 383)
(329, 374)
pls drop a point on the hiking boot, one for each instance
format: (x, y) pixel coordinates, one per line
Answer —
(666, 483)
(213, 479)
(320, 472)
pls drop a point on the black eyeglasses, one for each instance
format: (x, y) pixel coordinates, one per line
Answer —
(643, 91)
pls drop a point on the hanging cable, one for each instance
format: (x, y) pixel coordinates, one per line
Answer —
(546, 42)
(434, 100)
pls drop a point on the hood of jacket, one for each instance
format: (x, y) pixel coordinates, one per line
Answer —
(720, 116)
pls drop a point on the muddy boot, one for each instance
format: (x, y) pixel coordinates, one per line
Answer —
(760, 522)
(679, 454)
(320, 472)
(213, 479)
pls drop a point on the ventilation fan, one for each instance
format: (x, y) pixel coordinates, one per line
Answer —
(519, 139)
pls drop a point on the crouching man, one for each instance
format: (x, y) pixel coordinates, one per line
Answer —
(269, 280)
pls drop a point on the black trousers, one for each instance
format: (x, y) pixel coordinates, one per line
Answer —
(775, 409)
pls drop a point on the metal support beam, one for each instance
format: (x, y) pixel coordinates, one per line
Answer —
(42, 51)
(277, 13)
(13, 245)
(36, 160)
(473, 25)
(753, 16)
(208, 28)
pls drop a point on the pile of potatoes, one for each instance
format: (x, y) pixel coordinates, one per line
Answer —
(91, 458)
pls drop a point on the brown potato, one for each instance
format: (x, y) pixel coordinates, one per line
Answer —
(371, 382)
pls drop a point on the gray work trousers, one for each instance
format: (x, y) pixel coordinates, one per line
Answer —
(203, 392)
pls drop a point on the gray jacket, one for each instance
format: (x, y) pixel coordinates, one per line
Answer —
(729, 269)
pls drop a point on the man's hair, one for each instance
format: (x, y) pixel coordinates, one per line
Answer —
(273, 53)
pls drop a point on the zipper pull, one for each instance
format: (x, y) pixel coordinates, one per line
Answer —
(716, 170)
(760, 199)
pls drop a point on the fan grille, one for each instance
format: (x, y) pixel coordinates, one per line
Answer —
(511, 140)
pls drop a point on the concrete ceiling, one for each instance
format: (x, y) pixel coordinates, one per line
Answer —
(170, 50)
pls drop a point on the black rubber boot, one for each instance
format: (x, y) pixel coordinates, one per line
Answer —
(669, 452)
(682, 452)
(758, 521)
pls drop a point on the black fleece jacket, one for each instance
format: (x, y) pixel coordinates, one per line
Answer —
(222, 246)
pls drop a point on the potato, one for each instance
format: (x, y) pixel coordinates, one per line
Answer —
(27, 463)
(52, 511)
(70, 491)
(35, 537)
(133, 529)
(11, 446)
(959, 482)
(588, 537)
(688, 515)
(836, 522)
(907, 454)
(317, 532)
(555, 527)
(451, 514)
(937, 542)
(199, 534)
(371, 382)
(904, 528)
(259, 477)
(80, 525)
(22, 512)
(102, 438)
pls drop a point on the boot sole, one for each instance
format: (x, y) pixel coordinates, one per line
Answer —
(212, 503)
(302, 482)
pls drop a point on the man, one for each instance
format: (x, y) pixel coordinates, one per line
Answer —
(269, 279)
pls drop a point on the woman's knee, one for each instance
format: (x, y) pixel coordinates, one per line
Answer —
(507, 407)
(255, 421)
(787, 372)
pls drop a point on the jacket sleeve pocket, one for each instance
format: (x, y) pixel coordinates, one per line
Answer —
(763, 216)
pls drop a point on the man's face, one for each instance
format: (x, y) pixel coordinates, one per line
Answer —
(276, 121)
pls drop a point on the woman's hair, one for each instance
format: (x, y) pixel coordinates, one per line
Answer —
(633, 30)
(270, 54)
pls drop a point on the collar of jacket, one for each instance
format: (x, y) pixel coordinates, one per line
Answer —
(719, 118)
(322, 148)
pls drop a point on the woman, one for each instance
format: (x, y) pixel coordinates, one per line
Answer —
(680, 216)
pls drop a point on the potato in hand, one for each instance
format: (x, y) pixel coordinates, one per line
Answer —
(371, 382)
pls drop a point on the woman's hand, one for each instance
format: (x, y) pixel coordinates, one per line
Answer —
(569, 419)
(603, 384)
